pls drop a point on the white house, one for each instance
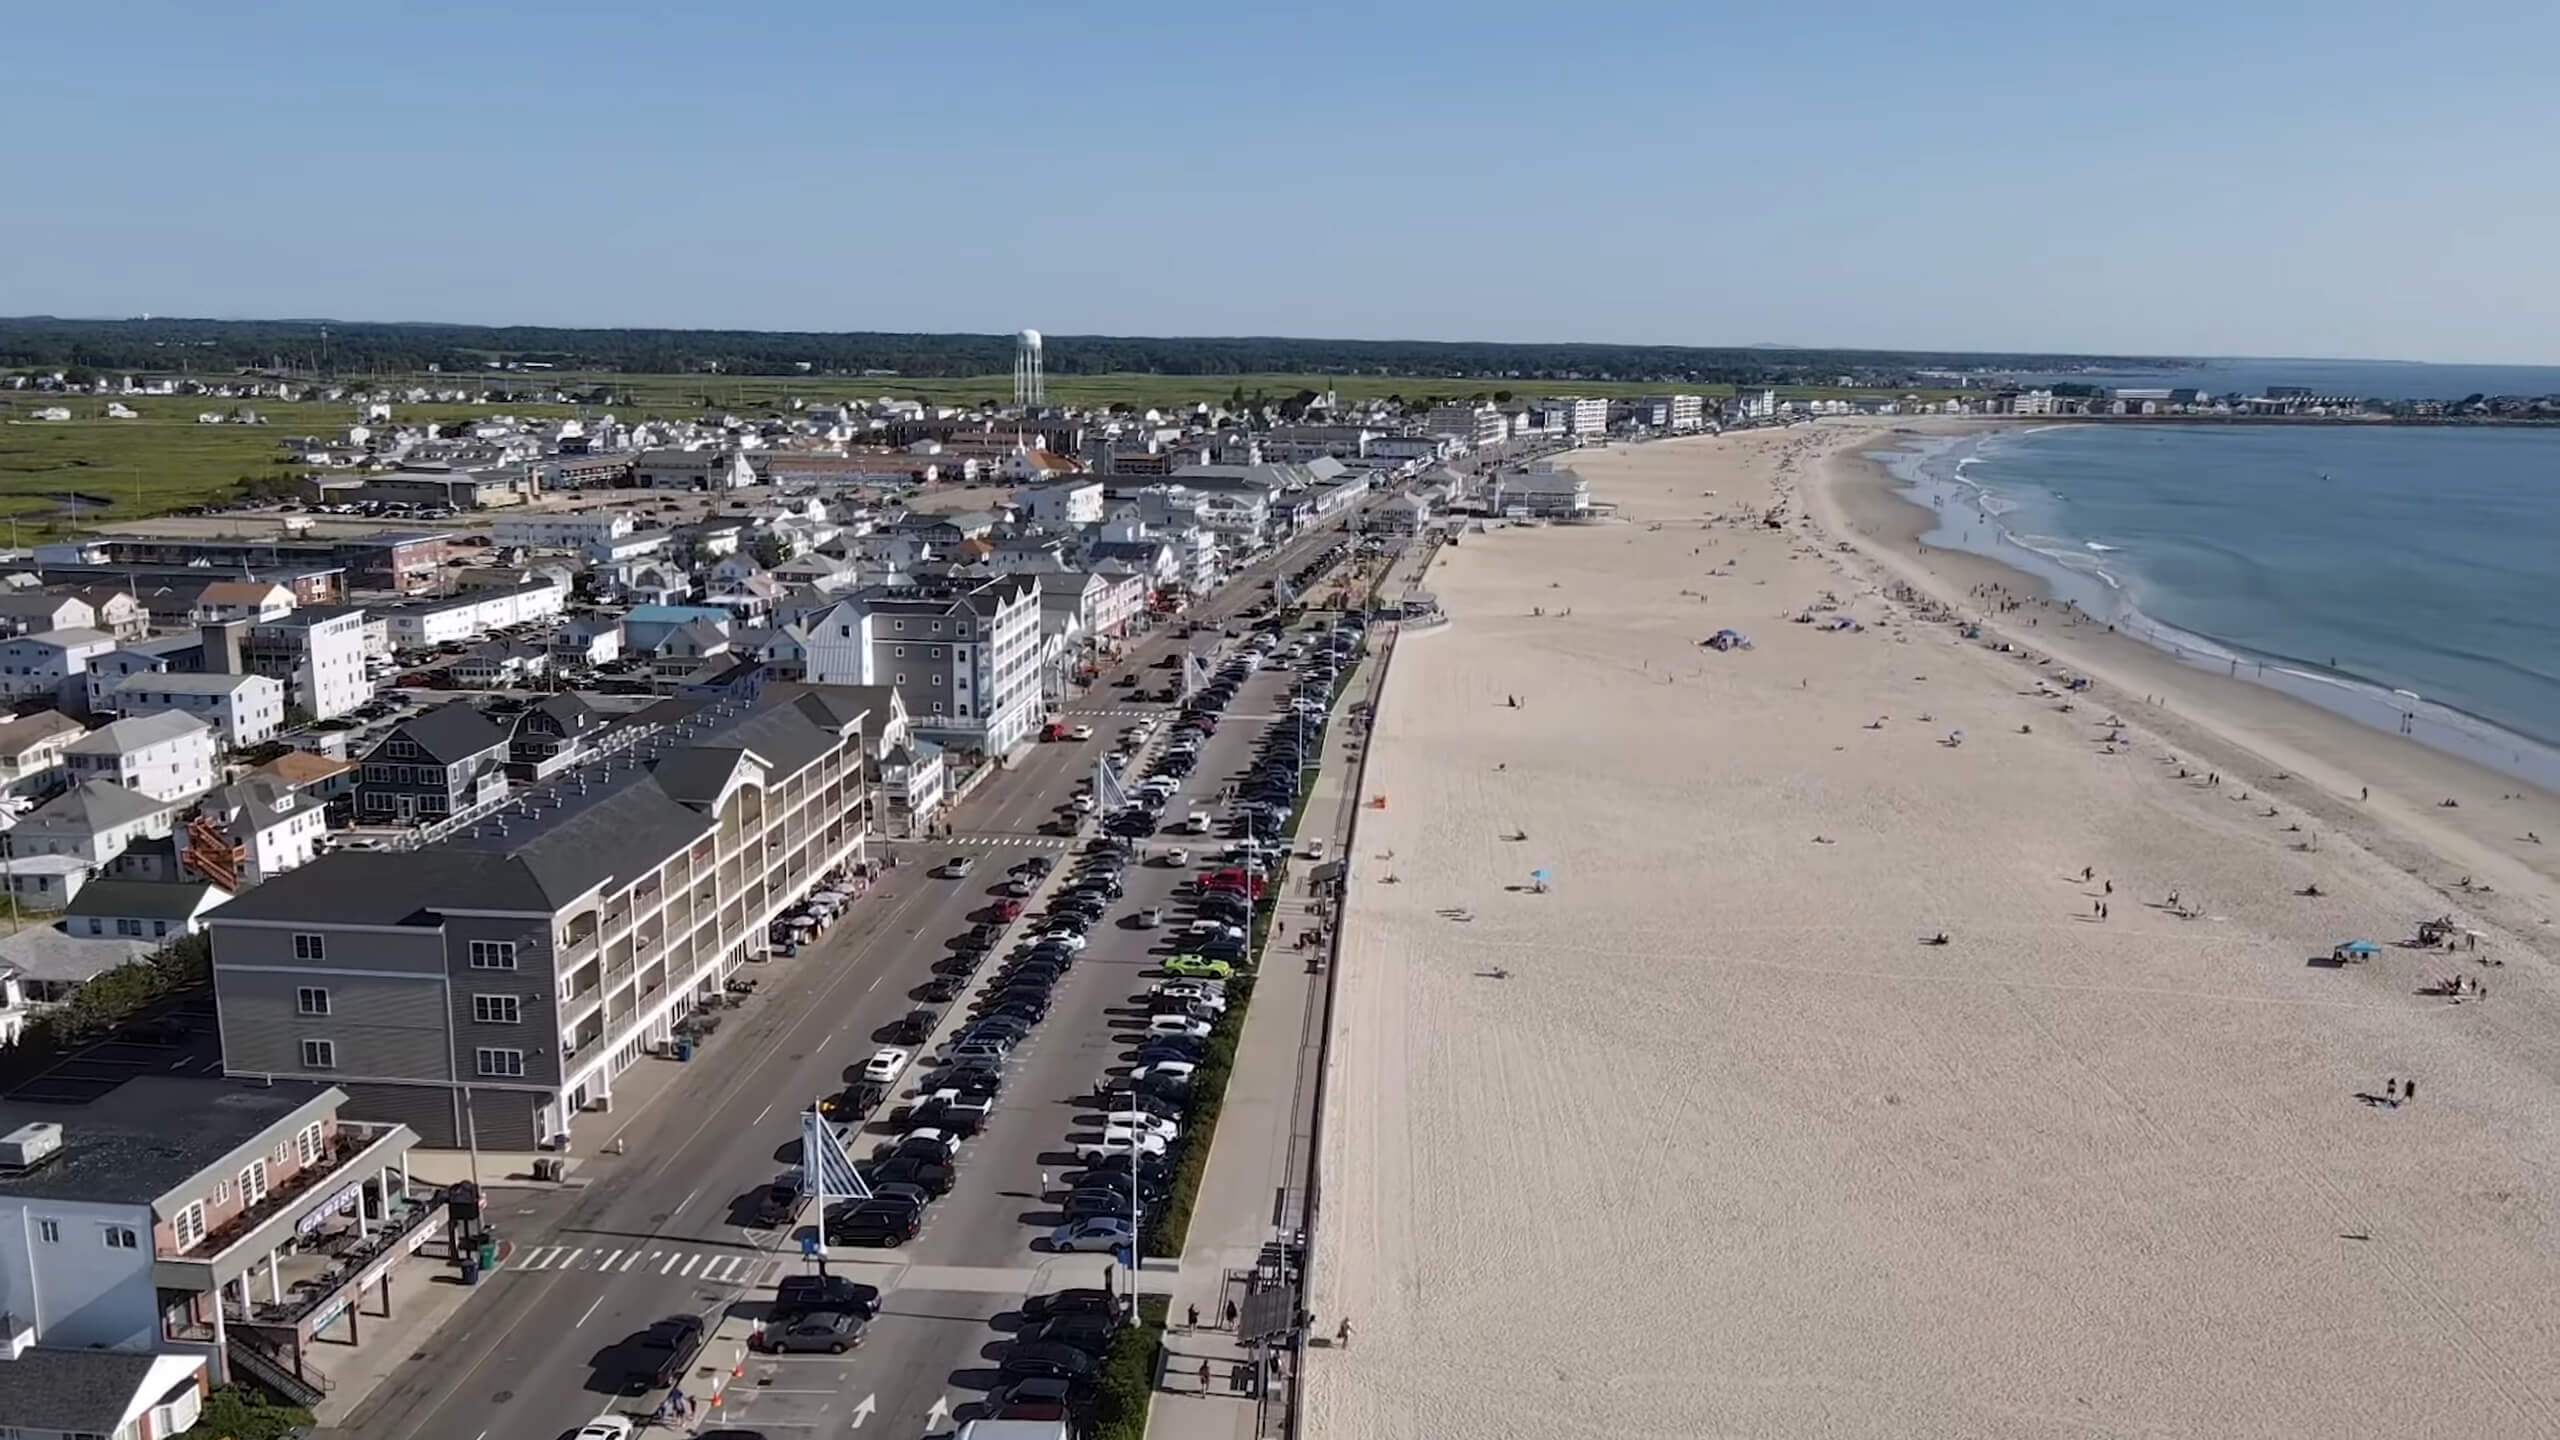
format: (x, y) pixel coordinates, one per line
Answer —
(245, 710)
(140, 909)
(167, 756)
(51, 664)
(91, 822)
(31, 749)
(253, 600)
(588, 641)
(244, 834)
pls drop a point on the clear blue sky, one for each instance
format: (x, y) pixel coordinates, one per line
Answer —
(2296, 179)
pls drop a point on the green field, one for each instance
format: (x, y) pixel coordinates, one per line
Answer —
(164, 460)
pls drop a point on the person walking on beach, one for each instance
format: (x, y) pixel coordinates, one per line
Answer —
(1342, 1337)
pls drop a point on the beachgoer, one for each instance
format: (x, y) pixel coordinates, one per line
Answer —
(2409, 1090)
(2364, 792)
(2111, 887)
(1342, 1337)
(2088, 873)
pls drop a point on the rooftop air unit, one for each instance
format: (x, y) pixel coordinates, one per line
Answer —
(29, 1146)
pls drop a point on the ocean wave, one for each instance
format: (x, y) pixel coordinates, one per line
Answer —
(2102, 549)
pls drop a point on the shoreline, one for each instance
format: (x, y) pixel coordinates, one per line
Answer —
(2325, 752)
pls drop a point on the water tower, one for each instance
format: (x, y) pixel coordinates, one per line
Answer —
(1027, 389)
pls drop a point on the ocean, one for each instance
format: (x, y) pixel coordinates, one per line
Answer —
(2357, 379)
(2407, 577)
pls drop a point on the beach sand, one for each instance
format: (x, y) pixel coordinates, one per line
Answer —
(1732, 1152)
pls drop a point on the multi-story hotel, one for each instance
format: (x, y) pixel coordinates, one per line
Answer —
(488, 987)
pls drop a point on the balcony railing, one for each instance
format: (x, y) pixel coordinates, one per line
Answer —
(350, 1141)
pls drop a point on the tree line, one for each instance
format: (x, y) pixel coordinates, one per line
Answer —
(355, 349)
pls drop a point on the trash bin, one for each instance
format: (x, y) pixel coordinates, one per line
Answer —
(487, 1258)
(684, 1049)
(471, 1269)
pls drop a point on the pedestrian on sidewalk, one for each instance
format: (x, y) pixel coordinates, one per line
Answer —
(1194, 1322)
(1204, 1377)
(1231, 1314)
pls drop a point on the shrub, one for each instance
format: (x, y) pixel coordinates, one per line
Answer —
(1129, 1375)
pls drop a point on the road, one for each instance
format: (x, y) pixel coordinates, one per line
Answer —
(659, 1230)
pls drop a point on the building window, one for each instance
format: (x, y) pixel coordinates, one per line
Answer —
(49, 1231)
(496, 1010)
(121, 1237)
(493, 954)
(319, 1054)
(188, 1225)
(129, 927)
(284, 1153)
(899, 651)
(221, 1192)
(508, 1063)
(311, 1000)
(309, 947)
(306, 1146)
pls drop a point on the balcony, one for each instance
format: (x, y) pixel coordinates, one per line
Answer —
(350, 1158)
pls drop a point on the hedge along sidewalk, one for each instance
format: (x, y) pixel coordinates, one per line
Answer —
(1248, 1159)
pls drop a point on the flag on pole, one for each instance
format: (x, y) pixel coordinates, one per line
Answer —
(1108, 792)
(823, 1159)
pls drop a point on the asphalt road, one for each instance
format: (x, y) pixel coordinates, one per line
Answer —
(659, 1230)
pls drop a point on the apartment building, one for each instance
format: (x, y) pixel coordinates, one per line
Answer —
(494, 983)
(51, 665)
(565, 530)
(318, 652)
(470, 616)
(965, 655)
(1474, 426)
(31, 749)
(436, 764)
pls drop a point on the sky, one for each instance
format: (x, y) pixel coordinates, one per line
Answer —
(2342, 179)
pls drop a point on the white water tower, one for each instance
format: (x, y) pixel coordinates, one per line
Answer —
(1027, 389)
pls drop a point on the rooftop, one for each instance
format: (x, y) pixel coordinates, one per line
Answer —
(603, 823)
(87, 1392)
(186, 682)
(150, 1135)
(131, 734)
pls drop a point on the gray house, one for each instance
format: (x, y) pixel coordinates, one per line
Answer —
(447, 759)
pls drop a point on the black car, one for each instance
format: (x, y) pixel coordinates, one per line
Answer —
(1002, 1027)
(671, 1345)
(778, 1202)
(875, 1222)
(1028, 998)
(1036, 867)
(932, 1178)
(1089, 1333)
(915, 1147)
(977, 1080)
(1082, 1300)
(1099, 1201)
(944, 988)
(806, 1294)
(1038, 974)
(915, 1026)
(1172, 1047)
(1047, 1360)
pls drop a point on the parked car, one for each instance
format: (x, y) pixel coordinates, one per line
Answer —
(1099, 1232)
(884, 1066)
(1047, 1361)
(1199, 965)
(831, 1331)
(802, 1294)
(671, 1345)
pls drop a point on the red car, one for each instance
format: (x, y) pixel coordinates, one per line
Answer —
(1233, 881)
(1008, 909)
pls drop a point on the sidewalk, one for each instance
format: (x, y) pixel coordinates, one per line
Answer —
(1254, 1189)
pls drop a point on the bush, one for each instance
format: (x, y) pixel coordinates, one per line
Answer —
(1172, 1224)
(232, 1412)
(1129, 1375)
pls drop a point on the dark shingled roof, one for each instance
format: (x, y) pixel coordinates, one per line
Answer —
(559, 841)
(450, 733)
(148, 1136)
(76, 1392)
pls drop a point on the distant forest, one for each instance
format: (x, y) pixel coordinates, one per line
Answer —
(208, 347)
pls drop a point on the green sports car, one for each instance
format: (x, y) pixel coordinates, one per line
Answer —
(1199, 967)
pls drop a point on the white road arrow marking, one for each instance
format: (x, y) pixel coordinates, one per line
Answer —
(863, 1411)
(940, 1415)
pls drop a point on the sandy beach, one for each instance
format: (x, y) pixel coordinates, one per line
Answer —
(1704, 1139)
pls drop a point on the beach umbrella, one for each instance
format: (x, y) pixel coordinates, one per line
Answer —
(1541, 877)
(2361, 948)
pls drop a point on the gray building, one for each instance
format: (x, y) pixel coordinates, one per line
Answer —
(492, 985)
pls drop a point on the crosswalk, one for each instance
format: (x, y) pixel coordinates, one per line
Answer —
(1127, 712)
(1039, 842)
(718, 1267)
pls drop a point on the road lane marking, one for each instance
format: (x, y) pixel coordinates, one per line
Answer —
(591, 1310)
(767, 1110)
(689, 1262)
(573, 1257)
(607, 1262)
(672, 1258)
(633, 1260)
